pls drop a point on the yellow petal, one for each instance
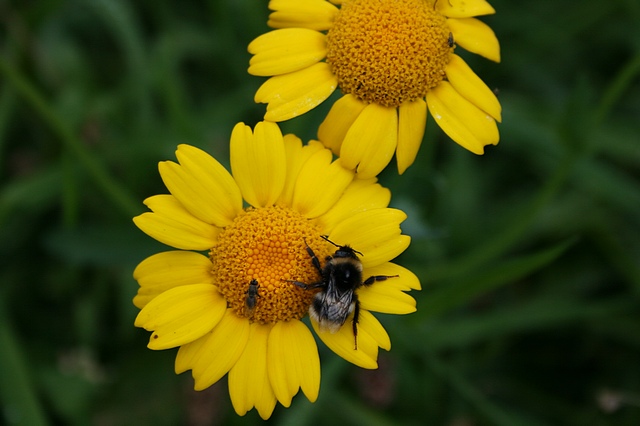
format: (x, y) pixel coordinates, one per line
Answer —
(461, 120)
(412, 119)
(286, 50)
(375, 233)
(293, 94)
(163, 271)
(360, 195)
(368, 324)
(371, 141)
(464, 8)
(202, 185)
(342, 342)
(188, 354)
(406, 279)
(181, 315)
(171, 224)
(320, 184)
(221, 350)
(249, 384)
(386, 297)
(297, 155)
(313, 14)
(472, 88)
(342, 115)
(293, 361)
(476, 37)
(258, 162)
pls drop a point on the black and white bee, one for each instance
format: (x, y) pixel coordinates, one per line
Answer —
(450, 39)
(340, 277)
(252, 298)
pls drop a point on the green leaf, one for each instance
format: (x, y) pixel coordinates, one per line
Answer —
(448, 297)
(20, 404)
(543, 313)
(31, 192)
(496, 414)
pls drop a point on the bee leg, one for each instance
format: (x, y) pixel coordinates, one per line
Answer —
(375, 278)
(314, 258)
(306, 286)
(354, 323)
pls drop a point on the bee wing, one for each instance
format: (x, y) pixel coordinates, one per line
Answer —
(331, 308)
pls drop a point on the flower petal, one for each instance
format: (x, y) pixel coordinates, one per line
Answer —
(472, 88)
(258, 162)
(181, 315)
(341, 117)
(293, 94)
(313, 14)
(248, 379)
(320, 184)
(371, 141)
(297, 155)
(412, 119)
(202, 185)
(286, 50)
(464, 9)
(375, 233)
(163, 271)
(367, 323)
(221, 350)
(406, 280)
(342, 342)
(171, 224)
(188, 353)
(461, 120)
(293, 361)
(386, 297)
(476, 37)
(360, 195)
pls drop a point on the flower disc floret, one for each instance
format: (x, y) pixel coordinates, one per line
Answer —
(268, 245)
(388, 51)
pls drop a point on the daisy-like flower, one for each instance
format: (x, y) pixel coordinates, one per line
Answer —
(236, 309)
(393, 60)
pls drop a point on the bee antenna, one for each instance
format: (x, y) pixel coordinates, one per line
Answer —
(326, 238)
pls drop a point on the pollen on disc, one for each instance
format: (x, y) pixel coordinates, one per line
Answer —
(268, 245)
(387, 51)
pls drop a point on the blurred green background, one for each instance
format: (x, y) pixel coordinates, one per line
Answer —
(529, 256)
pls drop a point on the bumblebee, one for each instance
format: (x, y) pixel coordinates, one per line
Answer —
(252, 298)
(340, 277)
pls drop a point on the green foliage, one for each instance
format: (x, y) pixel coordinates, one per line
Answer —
(529, 256)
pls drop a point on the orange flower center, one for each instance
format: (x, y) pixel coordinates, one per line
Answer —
(389, 51)
(267, 245)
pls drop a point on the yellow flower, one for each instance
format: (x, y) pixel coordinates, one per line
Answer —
(237, 309)
(392, 60)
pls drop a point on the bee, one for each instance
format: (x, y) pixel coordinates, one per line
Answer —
(252, 298)
(340, 277)
(450, 39)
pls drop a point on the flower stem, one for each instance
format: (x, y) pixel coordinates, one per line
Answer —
(117, 193)
(617, 88)
(17, 390)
